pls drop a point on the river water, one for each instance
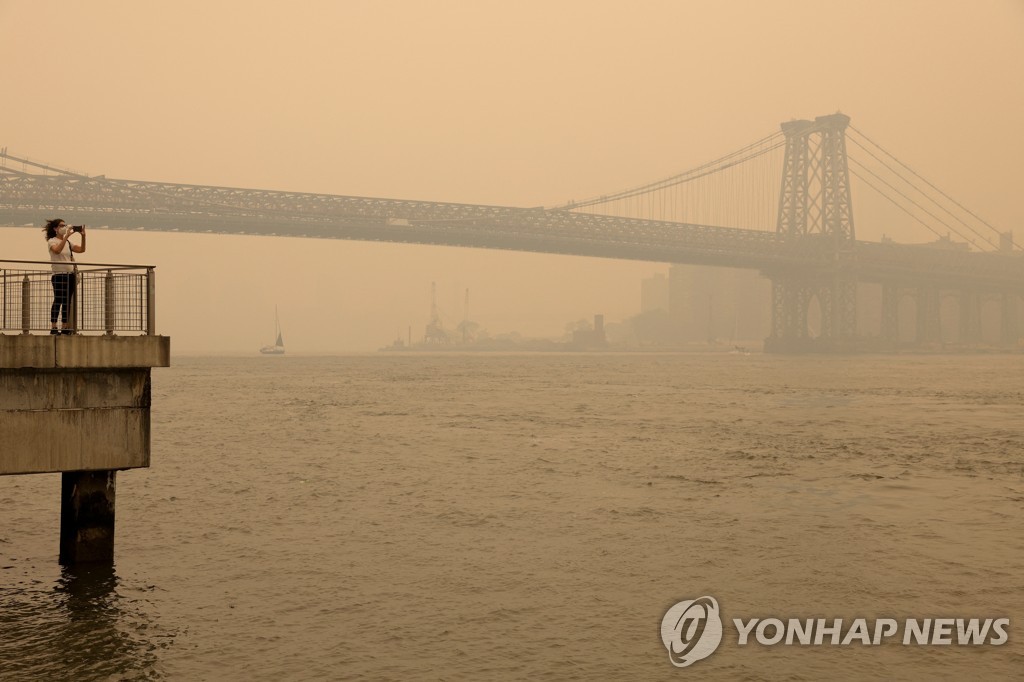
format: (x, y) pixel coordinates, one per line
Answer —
(534, 516)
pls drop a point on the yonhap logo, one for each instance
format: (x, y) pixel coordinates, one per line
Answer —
(691, 630)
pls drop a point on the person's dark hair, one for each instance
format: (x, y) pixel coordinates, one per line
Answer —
(51, 227)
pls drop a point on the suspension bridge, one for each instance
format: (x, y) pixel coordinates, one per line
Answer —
(781, 205)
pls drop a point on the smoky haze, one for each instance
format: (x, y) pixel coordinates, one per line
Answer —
(525, 104)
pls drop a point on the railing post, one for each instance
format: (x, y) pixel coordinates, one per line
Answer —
(73, 299)
(150, 301)
(108, 304)
(26, 305)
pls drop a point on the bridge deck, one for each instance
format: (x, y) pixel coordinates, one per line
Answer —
(25, 198)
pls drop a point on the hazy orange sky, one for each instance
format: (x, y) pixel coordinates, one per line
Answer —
(512, 103)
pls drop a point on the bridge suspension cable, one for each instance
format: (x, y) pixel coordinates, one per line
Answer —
(751, 151)
(25, 162)
(739, 189)
(897, 204)
(895, 189)
(859, 139)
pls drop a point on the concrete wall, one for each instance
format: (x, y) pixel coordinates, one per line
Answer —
(44, 352)
(76, 403)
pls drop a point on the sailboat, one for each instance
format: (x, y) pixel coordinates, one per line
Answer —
(278, 347)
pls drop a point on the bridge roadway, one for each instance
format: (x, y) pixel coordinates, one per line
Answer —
(30, 197)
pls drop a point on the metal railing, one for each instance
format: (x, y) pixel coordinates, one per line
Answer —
(106, 299)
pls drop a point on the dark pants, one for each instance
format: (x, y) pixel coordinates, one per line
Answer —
(63, 296)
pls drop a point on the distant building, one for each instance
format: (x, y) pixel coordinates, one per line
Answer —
(654, 293)
(719, 305)
(591, 338)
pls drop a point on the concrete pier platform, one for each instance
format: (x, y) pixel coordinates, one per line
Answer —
(78, 405)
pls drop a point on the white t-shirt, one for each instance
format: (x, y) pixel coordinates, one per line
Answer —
(61, 261)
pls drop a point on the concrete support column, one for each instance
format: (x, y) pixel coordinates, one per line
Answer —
(891, 312)
(790, 298)
(843, 327)
(929, 328)
(87, 516)
(1011, 332)
(970, 317)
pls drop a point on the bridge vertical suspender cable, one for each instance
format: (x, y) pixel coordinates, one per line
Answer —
(746, 153)
(737, 196)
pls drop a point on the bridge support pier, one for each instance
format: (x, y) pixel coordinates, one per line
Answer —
(929, 327)
(791, 300)
(1010, 328)
(891, 294)
(970, 317)
(843, 322)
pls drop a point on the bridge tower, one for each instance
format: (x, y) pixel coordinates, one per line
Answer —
(816, 216)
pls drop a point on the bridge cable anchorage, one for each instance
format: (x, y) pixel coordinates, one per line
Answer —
(966, 238)
(927, 182)
(680, 178)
